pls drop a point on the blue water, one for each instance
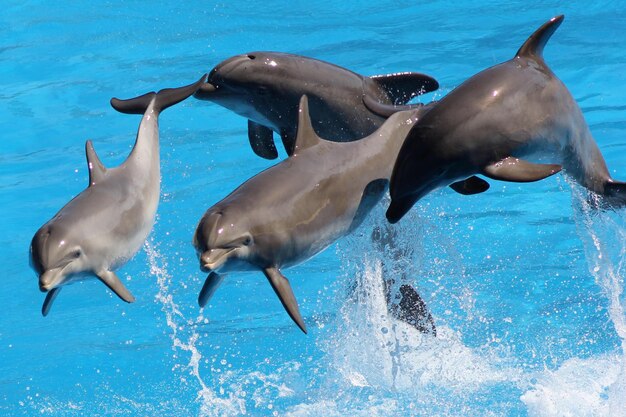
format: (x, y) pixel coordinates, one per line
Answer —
(525, 283)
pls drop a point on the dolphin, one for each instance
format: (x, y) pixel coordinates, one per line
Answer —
(514, 110)
(265, 88)
(298, 207)
(105, 225)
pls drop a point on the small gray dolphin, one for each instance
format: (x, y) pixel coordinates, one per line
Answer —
(105, 225)
(295, 209)
(517, 109)
(265, 87)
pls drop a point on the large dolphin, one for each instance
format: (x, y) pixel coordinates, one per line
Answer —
(106, 224)
(517, 109)
(265, 87)
(295, 209)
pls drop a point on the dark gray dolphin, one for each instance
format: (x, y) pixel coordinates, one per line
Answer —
(265, 87)
(295, 209)
(106, 224)
(517, 109)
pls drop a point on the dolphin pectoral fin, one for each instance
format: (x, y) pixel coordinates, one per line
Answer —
(262, 140)
(399, 207)
(47, 303)
(283, 290)
(97, 171)
(211, 285)
(113, 282)
(517, 170)
(403, 86)
(470, 186)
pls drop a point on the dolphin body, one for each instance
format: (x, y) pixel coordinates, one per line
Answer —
(105, 225)
(295, 209)
(265, 87)
(516, 109)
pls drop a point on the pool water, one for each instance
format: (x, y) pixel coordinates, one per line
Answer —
(525, 282)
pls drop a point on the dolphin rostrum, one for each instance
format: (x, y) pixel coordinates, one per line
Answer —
(517, 109)
(295, 209)
(265, 87)
(106, 224)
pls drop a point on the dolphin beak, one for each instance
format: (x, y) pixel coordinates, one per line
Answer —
(205, 92)
(213, 259)
(50, 279)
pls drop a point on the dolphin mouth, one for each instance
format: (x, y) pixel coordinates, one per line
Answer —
(50, 279)
(214, 259)
(206, 91)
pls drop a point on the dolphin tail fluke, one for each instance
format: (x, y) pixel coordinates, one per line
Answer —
(412, 310)
(47, 303)
(211, 284)
(113, 282)
(533, 47)
(283, 290)
(615, 191)
(162, 100)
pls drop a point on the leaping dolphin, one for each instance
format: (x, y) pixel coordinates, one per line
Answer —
(295, 209)
(265, 87)
(105, 225)
(517, 109)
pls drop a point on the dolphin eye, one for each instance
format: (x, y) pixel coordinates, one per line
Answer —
(76, 253)
(247, 241)
(262, 90)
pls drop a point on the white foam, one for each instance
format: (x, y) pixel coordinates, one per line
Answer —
(579, 388)
(330, 408)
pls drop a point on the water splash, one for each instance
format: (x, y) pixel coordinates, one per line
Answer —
(604, 237)
(211, 404)
(392, 354)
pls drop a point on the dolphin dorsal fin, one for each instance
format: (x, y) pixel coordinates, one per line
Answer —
(97, 170)
(306, 136)
(533, 47)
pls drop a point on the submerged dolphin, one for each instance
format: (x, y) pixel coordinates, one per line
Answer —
(295, 209)
(265, 87)
(516, 109)
(106, 224)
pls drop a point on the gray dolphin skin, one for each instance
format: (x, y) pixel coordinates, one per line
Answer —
(265, 88)
(295, 209)
(106, 224)
(517, 109)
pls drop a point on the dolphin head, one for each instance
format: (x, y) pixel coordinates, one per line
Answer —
(254, 84)
(56, 257)
(223, 242)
